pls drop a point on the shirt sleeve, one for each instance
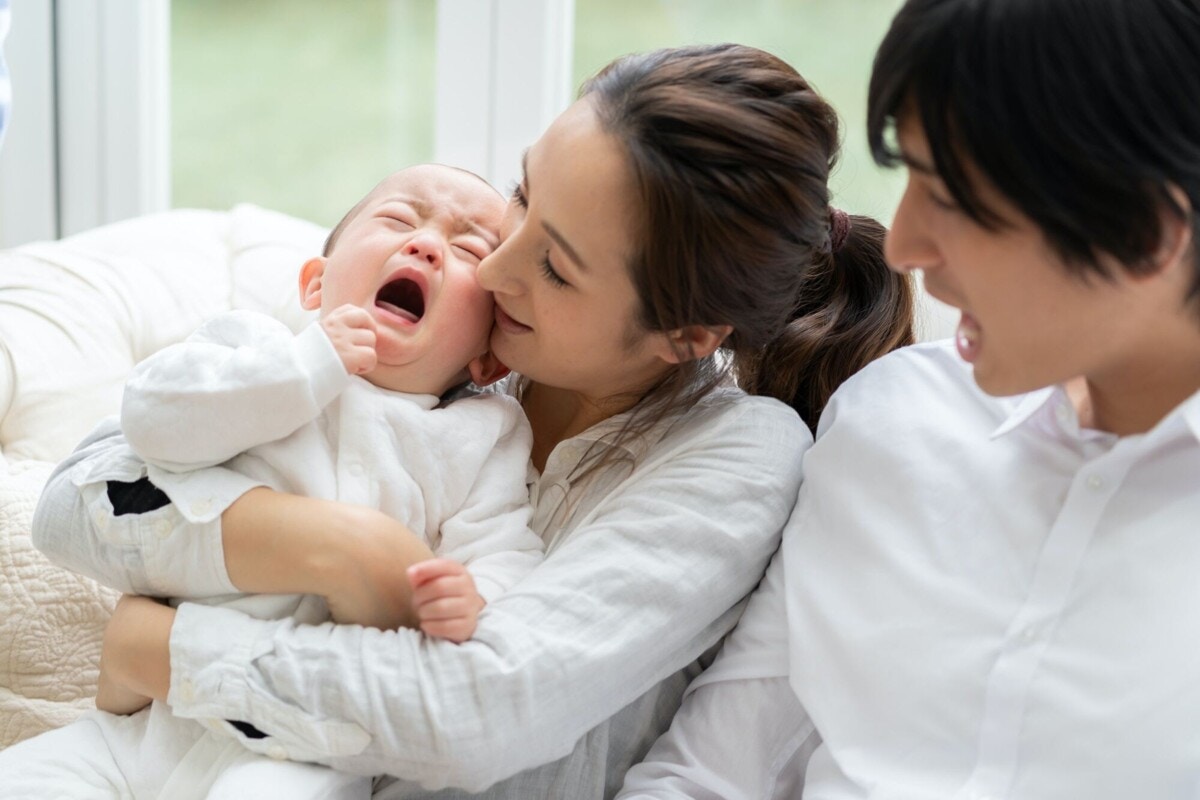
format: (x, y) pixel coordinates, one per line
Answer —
(646, 583)
(490, 532)
(241, 380)
(741, 732)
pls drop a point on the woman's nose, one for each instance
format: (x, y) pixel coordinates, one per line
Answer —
(496, 273)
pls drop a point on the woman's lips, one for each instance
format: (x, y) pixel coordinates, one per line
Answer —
(967, 338)
(509, 325)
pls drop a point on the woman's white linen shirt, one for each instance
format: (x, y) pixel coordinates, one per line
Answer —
(573, 672)
(983, 600)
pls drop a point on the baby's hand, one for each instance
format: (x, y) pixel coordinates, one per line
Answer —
(351, 330)
(445, 599)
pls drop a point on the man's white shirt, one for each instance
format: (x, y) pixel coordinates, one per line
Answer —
(975, 598)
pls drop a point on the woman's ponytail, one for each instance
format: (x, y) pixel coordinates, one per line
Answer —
(851, 310)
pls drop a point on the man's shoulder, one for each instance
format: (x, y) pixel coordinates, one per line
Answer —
(926, 381)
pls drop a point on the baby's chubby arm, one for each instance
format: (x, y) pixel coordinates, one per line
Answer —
(241, 380)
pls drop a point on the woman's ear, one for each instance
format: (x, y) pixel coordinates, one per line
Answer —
(486, 369)
(692, 342)
(310, 283)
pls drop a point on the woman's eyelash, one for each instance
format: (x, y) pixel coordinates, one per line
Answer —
(550, 273)
(518, 195)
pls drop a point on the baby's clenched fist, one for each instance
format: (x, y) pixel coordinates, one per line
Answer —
(351, 330)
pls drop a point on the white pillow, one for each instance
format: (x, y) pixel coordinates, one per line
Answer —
(266, 251)
(77, 314)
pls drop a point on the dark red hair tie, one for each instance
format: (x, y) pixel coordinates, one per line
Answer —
(839, 228)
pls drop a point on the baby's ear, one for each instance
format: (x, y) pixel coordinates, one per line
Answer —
(310, 283)
(486, 369)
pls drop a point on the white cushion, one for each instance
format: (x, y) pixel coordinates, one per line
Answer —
(77, 314)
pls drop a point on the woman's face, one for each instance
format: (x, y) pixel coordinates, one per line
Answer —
(566, 308)
(1027, 321)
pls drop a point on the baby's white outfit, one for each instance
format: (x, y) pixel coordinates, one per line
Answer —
(244, 403)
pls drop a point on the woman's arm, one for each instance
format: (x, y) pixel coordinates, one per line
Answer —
(354, 557)
(639, 588)
(741, 731)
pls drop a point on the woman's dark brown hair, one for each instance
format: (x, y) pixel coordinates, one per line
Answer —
(731, 151)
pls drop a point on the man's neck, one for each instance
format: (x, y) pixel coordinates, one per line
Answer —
(1137, 396)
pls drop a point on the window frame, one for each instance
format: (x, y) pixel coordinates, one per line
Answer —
(89, 138)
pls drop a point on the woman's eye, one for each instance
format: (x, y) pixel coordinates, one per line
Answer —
(518, 196)
(551, 274)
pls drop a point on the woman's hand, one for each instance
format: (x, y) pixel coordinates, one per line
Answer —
(365, 579)
(116, 699)
(135, 661)
(352, 556)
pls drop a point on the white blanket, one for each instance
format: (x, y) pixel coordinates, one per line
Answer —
(51, 620)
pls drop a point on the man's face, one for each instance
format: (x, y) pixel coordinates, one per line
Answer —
(1027, 321)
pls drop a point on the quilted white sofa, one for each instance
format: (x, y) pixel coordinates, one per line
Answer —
(75, 316)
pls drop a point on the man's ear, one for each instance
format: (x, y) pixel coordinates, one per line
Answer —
(1175, 241)
(692, 342)
(486, 369)
(310, 283)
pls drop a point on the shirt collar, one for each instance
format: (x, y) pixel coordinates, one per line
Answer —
(1023, 407)
(1191, 414)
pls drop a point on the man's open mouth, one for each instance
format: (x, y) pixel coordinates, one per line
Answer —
(402, 297)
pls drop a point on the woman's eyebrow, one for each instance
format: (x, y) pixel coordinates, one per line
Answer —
(551, 231)
(566, 247)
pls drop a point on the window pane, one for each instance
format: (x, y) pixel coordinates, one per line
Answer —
(831, 42)
(297, 105)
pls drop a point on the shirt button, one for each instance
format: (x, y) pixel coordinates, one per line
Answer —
(277, 752)
(356, 470)
(1031, 634)
(162, 528)
(201, 506)
(1095, 482)
(187, 693)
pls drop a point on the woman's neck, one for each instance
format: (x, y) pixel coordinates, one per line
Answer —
(558, 414)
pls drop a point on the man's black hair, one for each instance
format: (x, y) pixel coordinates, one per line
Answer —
(1083, 113)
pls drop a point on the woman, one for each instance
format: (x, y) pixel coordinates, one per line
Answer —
(985, 595)
(674, 223)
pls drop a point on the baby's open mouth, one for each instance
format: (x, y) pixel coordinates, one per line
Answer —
(403, 298)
